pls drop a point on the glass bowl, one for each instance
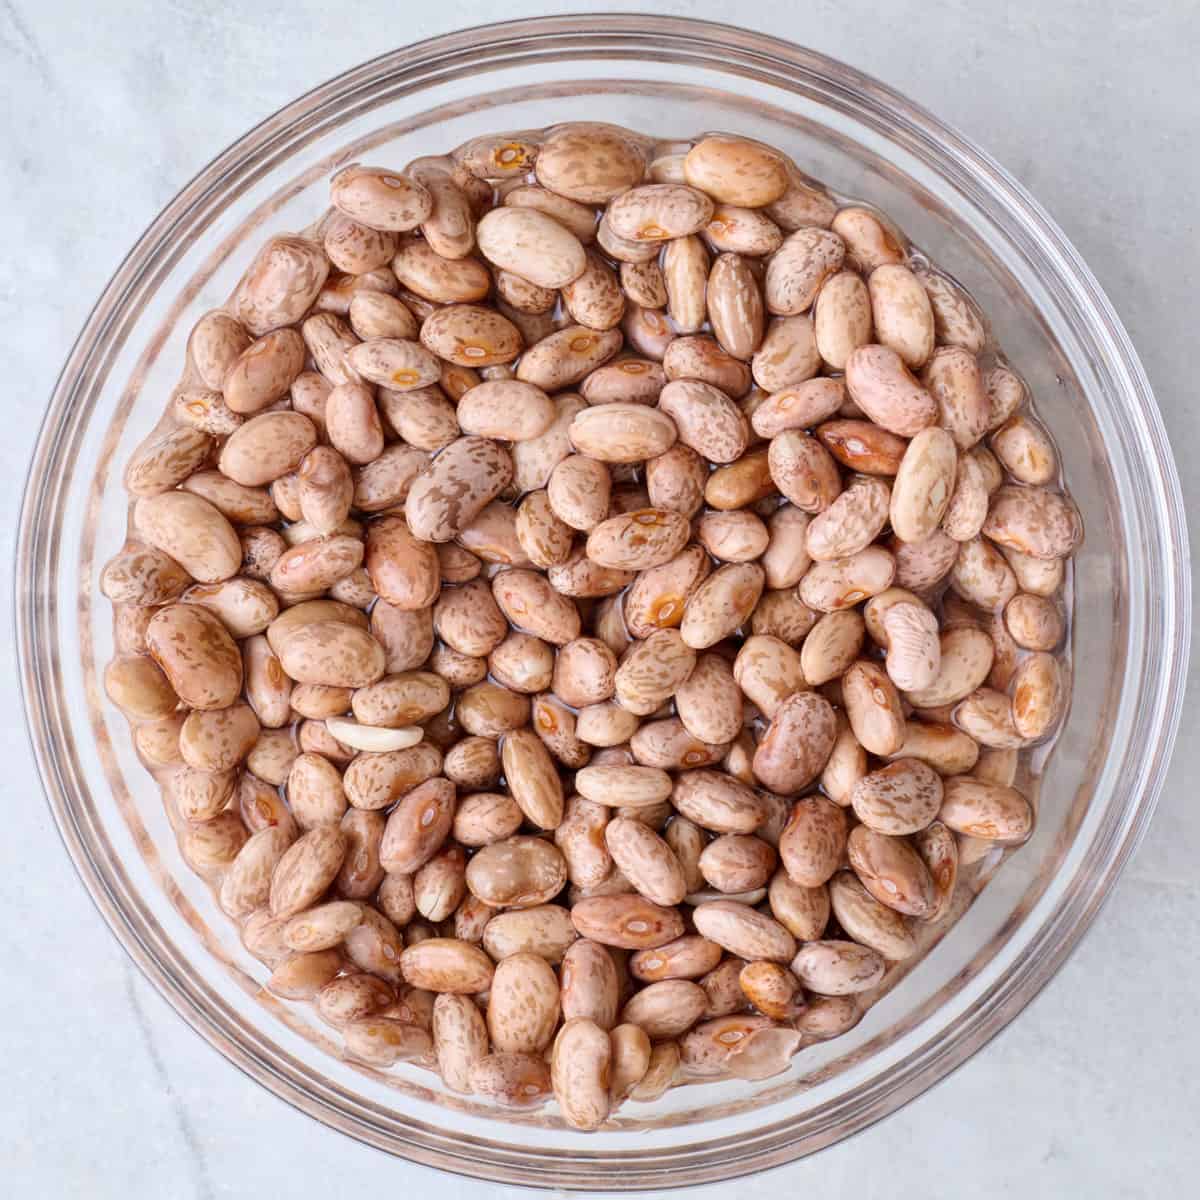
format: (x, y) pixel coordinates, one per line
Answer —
(669, 77)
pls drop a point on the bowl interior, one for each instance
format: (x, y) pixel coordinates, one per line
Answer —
(671, 79)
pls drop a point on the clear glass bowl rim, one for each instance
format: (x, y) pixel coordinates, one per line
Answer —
(720, 47)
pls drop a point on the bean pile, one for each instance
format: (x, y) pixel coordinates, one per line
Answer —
(586, 599)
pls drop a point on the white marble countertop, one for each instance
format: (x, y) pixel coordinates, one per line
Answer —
(110, 108)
